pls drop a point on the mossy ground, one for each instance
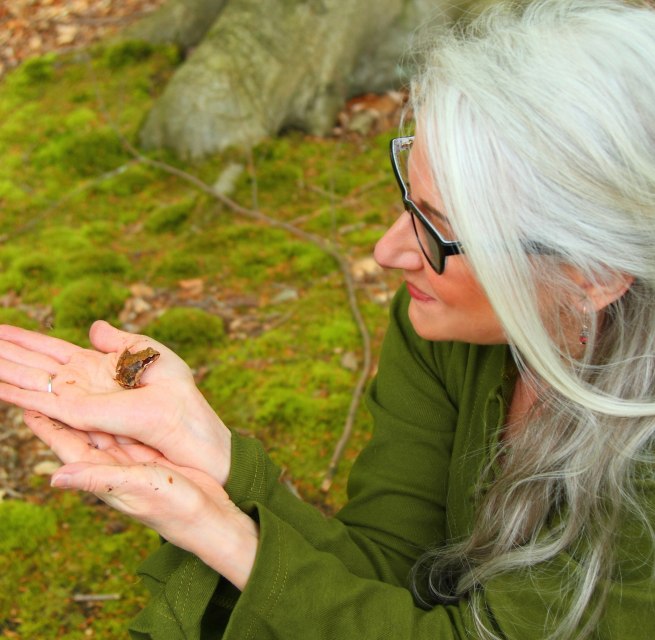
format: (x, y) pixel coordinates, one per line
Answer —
(81, 220)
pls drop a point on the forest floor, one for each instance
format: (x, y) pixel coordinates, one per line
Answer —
(30, 28)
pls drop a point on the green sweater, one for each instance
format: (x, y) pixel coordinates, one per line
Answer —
(438, 410)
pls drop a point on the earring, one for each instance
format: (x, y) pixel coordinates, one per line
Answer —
(584, 332)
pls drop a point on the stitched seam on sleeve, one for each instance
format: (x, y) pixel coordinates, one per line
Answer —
(257, 481)
(275, 591)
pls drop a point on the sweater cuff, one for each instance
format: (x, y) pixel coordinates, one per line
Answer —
(181, 587)
(252, 472)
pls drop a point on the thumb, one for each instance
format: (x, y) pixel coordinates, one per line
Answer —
(106, 338)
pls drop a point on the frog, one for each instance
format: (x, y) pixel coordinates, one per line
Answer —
(130, 366)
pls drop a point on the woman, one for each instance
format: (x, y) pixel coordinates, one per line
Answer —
(510, 479)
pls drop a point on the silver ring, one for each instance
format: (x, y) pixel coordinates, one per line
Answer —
(50, 379)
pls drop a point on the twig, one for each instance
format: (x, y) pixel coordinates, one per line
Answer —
(95, 597)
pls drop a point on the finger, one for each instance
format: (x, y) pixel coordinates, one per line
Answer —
(20, 355)
(114, 482)
(108, 412)
(127, 452)
(95, 478)
(26, 377)
(69, 445)
(58, 349)
(108, 339)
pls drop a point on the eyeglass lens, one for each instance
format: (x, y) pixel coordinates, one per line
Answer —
(430, 246)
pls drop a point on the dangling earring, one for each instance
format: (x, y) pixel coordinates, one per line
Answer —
(584, 332)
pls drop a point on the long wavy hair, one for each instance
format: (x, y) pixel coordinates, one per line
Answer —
(539, 121)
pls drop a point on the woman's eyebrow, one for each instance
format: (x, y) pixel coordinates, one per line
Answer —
(428, 208)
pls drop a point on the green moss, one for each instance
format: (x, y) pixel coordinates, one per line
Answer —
(86, 300)
(187, 331)
(94, 261)
(36, 71)
(24, 526)
(39, 577)
(17, 318)
(127, 53)
(133, 180)
(10, 193)
(170, 218)
(11, 281)
(85, 153)
(28, 272)
(80, 118)
(178, 265)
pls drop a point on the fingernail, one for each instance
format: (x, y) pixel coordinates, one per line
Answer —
(61, 481)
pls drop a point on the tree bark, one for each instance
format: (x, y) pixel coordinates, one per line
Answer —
(266, 65)
(180, 22)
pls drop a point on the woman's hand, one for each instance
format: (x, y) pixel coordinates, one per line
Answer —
(167, 412)
(186, 506)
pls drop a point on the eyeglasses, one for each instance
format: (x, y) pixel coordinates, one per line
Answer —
(434, 247)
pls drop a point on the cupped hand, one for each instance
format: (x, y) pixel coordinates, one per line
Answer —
(167, 412)
(186, 506)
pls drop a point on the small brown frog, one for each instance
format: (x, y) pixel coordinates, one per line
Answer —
(130, 366)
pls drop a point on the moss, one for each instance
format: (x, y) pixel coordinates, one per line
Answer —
(169, 218)
(95, 261)
(178, 265)
(313, 263)
(28, 272)
(84, 301)
(127, 53)
(134, 179)
(37, 580)
(17, 318)
(80, 118)
(187, 331)
(24, 526)
(11, 281)
(10, 193)
(87, 154)
(37, 267)
(36, 71)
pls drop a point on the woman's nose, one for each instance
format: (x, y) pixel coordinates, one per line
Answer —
(398, 247)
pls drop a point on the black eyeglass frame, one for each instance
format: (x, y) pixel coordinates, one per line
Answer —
(445, 247)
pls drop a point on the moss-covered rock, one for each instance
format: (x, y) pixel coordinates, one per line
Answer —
(86, 300)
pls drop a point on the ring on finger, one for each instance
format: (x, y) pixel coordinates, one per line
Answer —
(50, 379)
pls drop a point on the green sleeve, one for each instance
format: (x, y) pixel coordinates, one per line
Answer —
(297, 591)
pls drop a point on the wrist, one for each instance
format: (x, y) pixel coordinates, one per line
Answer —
(215, 451)
(229, 545)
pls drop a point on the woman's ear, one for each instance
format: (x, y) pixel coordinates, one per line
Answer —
(598, 294)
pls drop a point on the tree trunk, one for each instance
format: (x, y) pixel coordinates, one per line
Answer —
(265, 65)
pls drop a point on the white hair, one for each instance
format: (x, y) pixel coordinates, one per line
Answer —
(540, 129)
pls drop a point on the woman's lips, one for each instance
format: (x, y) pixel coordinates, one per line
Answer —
(417, 294)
